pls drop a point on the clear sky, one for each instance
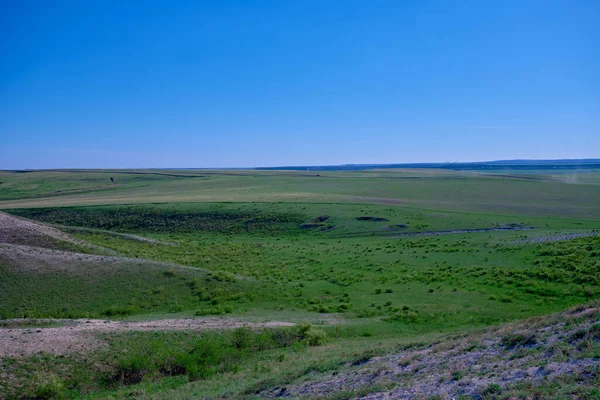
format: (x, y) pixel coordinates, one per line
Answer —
(263, 83)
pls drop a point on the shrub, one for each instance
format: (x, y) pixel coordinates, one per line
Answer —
(578, 335)
(404, 316)
(458, 375)
(214, 310)
(223, 276)
(315, 337)
(492, 388)
(132, 368)
(594, 331)
(311, 335)
(47, 386)
(518, 339)
(242, 338)
(364, 313)
(119, 310)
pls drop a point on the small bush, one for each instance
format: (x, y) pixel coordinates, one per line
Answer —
(458, 375)
(214, 310)
(492, 388)
(364, 313)
(404, 316)
(119, 310)
(324, 309)
(518, 339)
(578, 335)
(311, 335)
(594, 331)
(131, 369)
(315, 337)
(223, 276)
(47, 386)
(242, 338)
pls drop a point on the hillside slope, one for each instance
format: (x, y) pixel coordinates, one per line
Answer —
(45, 273)
(552, 357)
(20, 231)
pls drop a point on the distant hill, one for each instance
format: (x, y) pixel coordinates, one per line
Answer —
(570, 164)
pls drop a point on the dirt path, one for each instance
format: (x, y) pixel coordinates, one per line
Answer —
(80, 335)
(455, 231)
(393, 235)
(118, 234)
(30, 258)
(558, 238)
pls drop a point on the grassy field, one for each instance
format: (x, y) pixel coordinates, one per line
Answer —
(372, 259)
(541, 195)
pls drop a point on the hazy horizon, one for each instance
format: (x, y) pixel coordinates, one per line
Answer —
(534, 162)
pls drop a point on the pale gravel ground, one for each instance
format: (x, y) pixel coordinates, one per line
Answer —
(421, 373)
(15, 230)
(30, 258)
(118, 234)
(20, 231)
(558, 238)
(80, 335)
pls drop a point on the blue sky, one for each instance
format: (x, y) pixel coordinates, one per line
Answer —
(96, 84)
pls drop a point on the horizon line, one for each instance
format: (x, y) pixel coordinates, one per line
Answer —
(567, 161)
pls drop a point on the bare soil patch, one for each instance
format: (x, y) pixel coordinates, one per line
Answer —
(21, 231)
(129, 236)
(14, 230)
(80, 335)
(454, 231)
(469, 365)
(29, 258)
(558, 238)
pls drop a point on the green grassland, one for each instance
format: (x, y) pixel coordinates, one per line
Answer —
(444, 277)
(430, 189)
(388, 256)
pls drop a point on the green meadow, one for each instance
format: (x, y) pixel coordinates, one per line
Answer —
(374, 259)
